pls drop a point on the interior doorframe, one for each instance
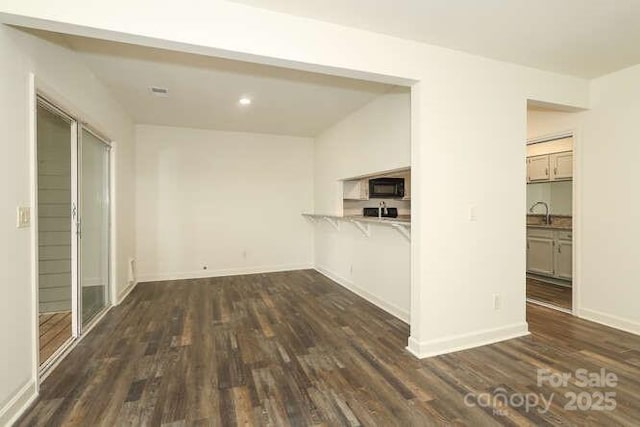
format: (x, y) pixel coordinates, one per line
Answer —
(40, 89)
(576, 208)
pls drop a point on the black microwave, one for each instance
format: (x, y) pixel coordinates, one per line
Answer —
(386, 188)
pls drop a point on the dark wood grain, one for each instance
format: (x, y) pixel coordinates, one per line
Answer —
(549, 293)
(295, 349)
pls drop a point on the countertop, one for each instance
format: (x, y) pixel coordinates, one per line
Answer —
(404, 220)
(558, 222)
(550, 227)
(400, 218)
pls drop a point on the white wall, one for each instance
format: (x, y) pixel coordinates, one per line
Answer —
(468, 117)
(606, 158)
(609, 290)
(226, 200)
(558, 195)
(374, 138)
(73, 84)
(541, 124)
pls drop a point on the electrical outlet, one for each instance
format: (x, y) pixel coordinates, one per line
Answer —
(496, 302)
(24, 217)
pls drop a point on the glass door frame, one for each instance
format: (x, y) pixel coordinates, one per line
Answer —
(78, 329)
(82, 327)
(44, 367)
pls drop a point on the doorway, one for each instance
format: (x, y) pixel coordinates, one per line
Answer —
(549, 219)
(72, 229)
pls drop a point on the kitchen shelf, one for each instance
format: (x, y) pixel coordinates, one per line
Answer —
(404, 229)
(362, 226)
(363, 223)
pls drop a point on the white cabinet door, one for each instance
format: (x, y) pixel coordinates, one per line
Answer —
(356, 189)
(351, 190)
(561, 166)
(364, 189)
(538, 168)
(540, 255)
(563, 259)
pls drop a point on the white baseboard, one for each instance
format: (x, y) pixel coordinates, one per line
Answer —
(10, 413)
(610, 320)
(221, 272)
(466, 341)
(386, 306)
(125, 293)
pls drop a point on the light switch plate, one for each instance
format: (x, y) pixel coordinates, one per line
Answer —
(473, 213)
(24, 216)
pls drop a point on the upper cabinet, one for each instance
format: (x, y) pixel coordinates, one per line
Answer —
(561, 166)
(357, 189)
(538, 168)
(407, 185)
(550, 167)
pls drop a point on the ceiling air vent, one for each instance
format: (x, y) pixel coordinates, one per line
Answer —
(159, 91)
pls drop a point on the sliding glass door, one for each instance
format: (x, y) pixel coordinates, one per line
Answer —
(73, 226)
(55, 143)
(93, 227)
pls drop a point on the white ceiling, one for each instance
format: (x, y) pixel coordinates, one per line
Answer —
(586, 38)
(204, 91)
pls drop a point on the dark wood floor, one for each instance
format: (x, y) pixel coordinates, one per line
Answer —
(55, 330)
(296, 349)
(560, 296)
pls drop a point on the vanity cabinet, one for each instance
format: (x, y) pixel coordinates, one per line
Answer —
(550, 167)
(549, 253)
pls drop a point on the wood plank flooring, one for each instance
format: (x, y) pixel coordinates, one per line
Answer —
(294, 348)
(55, 330)
(560, 296)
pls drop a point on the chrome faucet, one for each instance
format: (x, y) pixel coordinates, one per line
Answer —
(382, 207)
(547, 216)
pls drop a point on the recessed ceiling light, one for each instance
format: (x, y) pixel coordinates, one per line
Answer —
(245, 101)
(159, 91)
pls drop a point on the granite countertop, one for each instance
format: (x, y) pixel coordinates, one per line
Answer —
(550, 227)
(558, 222)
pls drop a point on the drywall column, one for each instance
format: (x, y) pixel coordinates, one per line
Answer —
(467, 197)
